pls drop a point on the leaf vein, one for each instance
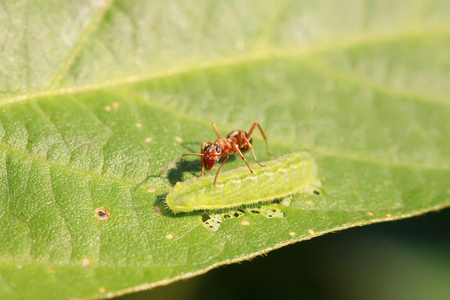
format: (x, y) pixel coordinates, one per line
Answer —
(84, 37)
(355, 80)
(38, 159)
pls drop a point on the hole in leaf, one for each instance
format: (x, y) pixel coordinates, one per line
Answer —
(102, 214)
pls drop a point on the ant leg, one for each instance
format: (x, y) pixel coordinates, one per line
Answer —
(202, 173)
(175, 161)
(236, 147)
(216, 131)
(217, 174)
(203, 170)
(246, 141)
(249, 135)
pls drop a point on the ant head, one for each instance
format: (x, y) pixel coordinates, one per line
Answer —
(211, 154)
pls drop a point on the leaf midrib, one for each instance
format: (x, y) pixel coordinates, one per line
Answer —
(257, 55)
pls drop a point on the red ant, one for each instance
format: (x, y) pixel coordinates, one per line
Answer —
(237, 141)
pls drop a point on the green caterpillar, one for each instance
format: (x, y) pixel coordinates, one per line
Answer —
(290, 174)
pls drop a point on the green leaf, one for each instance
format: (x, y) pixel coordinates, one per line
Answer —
(97, 96)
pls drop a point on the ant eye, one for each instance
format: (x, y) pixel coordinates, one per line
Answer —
(218, 149)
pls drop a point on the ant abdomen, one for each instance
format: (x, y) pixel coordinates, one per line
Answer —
(235, 133)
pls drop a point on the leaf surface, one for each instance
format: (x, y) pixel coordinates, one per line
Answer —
(98, 96)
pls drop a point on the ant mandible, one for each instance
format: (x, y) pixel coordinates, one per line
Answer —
(237, 141)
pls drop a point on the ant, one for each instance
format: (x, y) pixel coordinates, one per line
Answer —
(237, 141)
